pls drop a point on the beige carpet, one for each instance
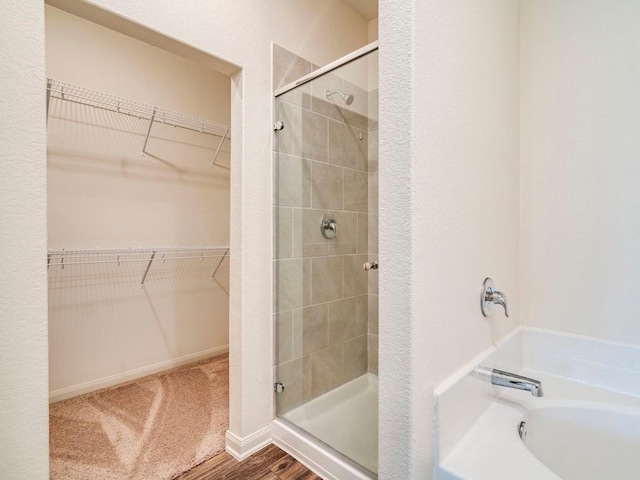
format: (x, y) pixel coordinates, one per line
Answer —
(152, 428)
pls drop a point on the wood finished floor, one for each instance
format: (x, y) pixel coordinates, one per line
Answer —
(270, 463)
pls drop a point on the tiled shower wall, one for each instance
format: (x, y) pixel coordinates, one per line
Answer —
(323, 327)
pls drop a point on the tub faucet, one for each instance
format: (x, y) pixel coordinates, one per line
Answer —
(511, 380)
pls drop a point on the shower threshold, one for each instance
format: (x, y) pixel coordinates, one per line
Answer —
(346, 419)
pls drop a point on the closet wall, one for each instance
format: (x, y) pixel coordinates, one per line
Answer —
(104, 194)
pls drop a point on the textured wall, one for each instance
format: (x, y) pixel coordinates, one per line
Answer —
(580, 170)
(23, 244)
(449, 98)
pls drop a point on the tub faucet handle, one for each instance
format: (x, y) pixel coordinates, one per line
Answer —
(490, 296)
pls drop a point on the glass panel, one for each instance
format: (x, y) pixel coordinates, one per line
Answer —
(326, 229)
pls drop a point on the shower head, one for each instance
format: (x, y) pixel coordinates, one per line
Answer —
(347, 97)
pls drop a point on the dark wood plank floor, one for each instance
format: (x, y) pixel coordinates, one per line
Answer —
(270, 463)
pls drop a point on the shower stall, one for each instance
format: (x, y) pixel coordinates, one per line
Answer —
(326, 247)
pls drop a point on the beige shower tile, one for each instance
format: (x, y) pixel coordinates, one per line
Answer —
(372, 302)
(372, 110)
(290, 284)
(342, 320)
(311, 327)
(314, 136)
(327, 188)
(288, 67)
(355, 119)
(327, 108)
(295, 376)
(372, 155)
(373, 233)
(356, 195)
(288, 140)
(363, 233)
(297, 230)
(372, 353)
(311, 232)
(346, 241)
(373, 192)
(306, 282)
(299, 97)
(355, 277)
(294, 181)
(326, 370)
(343, 145)
(362, 150)
(362, 314)
(355, 361)
(284, 335)
(315, 250)
(326, 279)
(307, 239)
(284, 229)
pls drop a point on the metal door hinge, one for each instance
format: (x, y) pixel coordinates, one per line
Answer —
(279, 125)
(278, 387)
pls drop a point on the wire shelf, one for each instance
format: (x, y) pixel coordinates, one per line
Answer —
(61, 259)
(57, 89)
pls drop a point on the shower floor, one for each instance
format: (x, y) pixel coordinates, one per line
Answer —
(346, 419)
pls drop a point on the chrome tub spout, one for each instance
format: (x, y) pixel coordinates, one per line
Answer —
(511, 380)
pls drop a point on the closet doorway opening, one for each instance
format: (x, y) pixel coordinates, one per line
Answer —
(138, 180)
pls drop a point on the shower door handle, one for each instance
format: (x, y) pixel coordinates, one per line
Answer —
(370, 266)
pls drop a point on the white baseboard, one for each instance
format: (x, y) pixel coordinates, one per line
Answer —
(86, 387)
(241, 448)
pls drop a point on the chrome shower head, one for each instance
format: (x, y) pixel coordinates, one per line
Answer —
(347, 97)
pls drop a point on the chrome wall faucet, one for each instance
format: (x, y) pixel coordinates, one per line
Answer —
(489, 296)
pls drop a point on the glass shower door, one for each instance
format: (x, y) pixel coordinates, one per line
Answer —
(325, 259)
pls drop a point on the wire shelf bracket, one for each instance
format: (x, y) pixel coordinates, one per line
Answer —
(215, 156)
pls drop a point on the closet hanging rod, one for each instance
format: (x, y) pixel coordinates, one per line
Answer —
(59, 90)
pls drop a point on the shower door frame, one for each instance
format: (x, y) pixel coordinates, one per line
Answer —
(316, 454)
(341, 62)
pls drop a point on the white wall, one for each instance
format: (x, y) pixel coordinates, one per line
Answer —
(239, 33)
(449, 113)
(102, 191)
(103, 328)
(580, 227)
(23, 243)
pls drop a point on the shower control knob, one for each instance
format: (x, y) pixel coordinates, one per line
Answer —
(370, 266)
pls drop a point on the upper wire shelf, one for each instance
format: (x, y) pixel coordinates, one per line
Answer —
(117, 256)
(69, 92)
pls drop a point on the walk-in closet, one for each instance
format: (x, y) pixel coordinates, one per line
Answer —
(138, 174)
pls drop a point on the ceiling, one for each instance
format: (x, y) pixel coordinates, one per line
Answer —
(367, 8)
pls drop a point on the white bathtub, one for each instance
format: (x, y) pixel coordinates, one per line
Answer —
(576, 432)
(577, 441)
